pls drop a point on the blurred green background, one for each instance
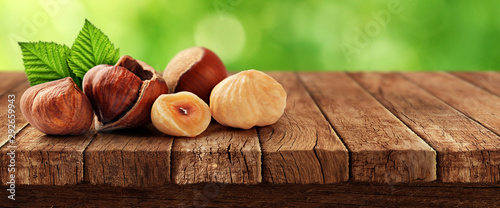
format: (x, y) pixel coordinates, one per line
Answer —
(272, 35)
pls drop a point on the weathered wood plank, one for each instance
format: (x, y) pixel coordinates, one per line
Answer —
(220, 154)
(11, 80)
(137, 157)
(489, 81)
(302, 146)
(262, 195)
(382, 148)
(40, 159)
(46, 160)
(467, 152)
(469, 99)
(21, 122)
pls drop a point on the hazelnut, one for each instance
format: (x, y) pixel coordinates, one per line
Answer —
(122, 95)
(246, 99)
(195, 70)
(180, 114)
(58, 107)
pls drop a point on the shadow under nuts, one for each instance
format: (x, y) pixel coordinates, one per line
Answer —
(122, 95)
(58, 107)
(246, 99)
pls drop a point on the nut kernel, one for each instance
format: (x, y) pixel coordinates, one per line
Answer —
(246, 99)
(180, 114)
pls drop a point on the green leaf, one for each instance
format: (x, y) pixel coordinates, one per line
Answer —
(90, 49)
(45, 62)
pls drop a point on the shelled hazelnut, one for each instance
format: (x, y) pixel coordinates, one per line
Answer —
(180, 114)
(246, 99)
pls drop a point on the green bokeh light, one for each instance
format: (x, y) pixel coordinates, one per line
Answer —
(270, 35)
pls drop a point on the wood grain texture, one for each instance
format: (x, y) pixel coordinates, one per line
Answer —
(307, 150)
(137, 157)
(469, 99)
(21, 122)
(220, 154)
(382, 148)
(46, 160)
(11, 80)
(301, 147)
(489, 81)
(467, 152)
(262, 195)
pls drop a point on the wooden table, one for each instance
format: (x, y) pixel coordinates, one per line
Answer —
(345, 139)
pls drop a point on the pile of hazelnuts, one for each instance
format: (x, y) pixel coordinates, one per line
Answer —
(195, 87)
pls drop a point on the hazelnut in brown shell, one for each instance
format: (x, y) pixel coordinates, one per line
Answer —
(122, 95)
(195, 70)
(58, 107)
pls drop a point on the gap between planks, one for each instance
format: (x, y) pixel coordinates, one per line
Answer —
(382, 148)
(474, 99)
(453, 134)
(301, 147)
(489, 81)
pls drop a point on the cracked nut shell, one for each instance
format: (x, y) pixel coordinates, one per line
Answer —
(122, 95)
